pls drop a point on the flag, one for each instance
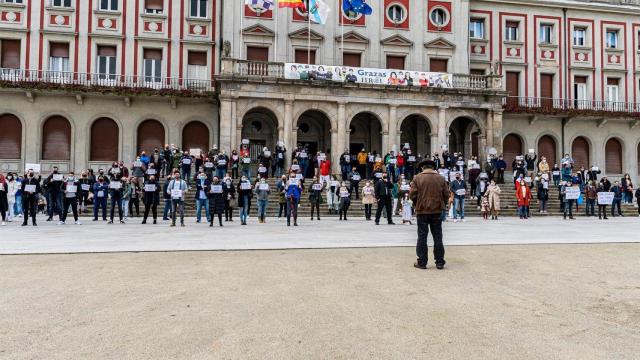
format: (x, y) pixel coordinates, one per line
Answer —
(356, 6)
(291, 3)
(265, 5)
(319, 11)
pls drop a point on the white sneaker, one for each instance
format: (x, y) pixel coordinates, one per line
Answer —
(78, 222)
(455, 220)
(463, 220)
(4, 223)
(278, 219)
(60, 222)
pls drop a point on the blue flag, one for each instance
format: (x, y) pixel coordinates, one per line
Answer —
(356, 6)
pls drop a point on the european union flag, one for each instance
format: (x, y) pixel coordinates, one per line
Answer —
(356, 6)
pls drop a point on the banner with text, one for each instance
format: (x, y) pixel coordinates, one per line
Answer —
(346, 74)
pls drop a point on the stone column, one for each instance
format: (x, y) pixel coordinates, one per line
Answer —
(233, 127)
(489, 134)
(394, 140)
(497, 130)
(334, 143)
(226, 123)
(385, 142)
(443, 134)
(435, 147)
(129, 140)
(288, 130)
(482, 148)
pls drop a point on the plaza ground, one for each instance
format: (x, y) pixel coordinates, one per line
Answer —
(575, 301)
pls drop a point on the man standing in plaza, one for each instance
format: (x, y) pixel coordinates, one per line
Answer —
(177, 189)
(429, 193)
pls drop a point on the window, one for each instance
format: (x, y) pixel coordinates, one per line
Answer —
(198, 8)
(59, 57)
(302, 57)
(476, 29)
(61, 3)
(255, 53)
(395, 62)
(438, 65)
(396, 14)
(107, 62)
(197, 65)
(9, 54)
(511, 31)
(109, 5)
(613, 89)
(152, 63)
(439, 17)
(579, 36)
(13, 1)
(153, 6)
(612, 39)
(546, 34)
(351, 59)
(476, 71)
(580, 91)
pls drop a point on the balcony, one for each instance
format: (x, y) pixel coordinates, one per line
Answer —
(275, 71)
(114, 84)
(569, 107)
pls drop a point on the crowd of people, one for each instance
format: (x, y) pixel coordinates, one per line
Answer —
(219, 182)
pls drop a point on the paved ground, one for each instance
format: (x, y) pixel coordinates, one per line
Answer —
(328, 233)
(492, 302)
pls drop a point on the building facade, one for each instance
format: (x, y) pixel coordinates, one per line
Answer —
(556, 76)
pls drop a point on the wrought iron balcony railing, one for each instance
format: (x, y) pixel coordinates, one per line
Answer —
(572, 106)
(34, 79)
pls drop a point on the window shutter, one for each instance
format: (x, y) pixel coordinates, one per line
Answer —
(59, 50)
(154, 4)
(395, 62)
(255, 53)
(301, 56)
(580, 80)
(107, 51)
(10, 54)
(197, 58)
(152, 54)
(351, 60)
(438, 65)
(613, 81)
(512, 24)
(613, 156)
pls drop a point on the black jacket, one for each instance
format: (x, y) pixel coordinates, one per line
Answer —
(31, 181)
(151, 198)
(383, 190)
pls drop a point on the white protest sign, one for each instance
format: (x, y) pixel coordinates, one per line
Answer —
(72, 189)
(605, 198)
(186, 161)
(176, 193)
(34, 167)
(150, 187)
(57, 177)
(317, 187)
(355, 177)
(216, 189)
(30, 188)
(208, 165)
(115, 185)
(572, 193)
(151, 172)
(137, 163)
(85, 187)
(195, 152)
(245, 186)
(263, 187)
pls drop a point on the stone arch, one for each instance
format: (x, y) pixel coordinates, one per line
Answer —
(409, 112)
(614, 151)
(104, 139)
(380, 112)
(365, 131)
(416, 130)
(56, 139)
(11, 136)
(251, 105)
(330, 112)
(314, 130)
(453, 114)
(460, 130)
(195, 134)
(260, 127)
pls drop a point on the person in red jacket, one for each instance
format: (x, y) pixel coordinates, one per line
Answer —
(399, 165)
(325, 171)
(523, 195)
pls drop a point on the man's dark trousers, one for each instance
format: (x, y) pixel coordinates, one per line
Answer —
(422, 250)
(386, 203)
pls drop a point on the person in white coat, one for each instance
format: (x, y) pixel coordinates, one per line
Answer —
(12, 189)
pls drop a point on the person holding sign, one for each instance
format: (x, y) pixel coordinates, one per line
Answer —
(245, 160)
(262, 197)
(30, 193)
(638, 199)
(265, 161)
(281, 187)
(354, 179)
(345, 164)
(345, 200)
(177, 188)
(217, 202)
(202, 199)
(315, 197)
(185, 164)
(410, 163)
(84, 190)
(429, 193)
(523, 196)
(368, 199)
(235, 164)
(116, 192)
(383, 196)
(459, 189)
(570, 195)
(71, 186)
(54, 186)
(4, 202)
(151, 199)
(616, 189)
(278, 163)
(602, 207)
(222, 163)
(362, 163)
(100, 191)
(293, 190)
(229, 195)
(244, 198)
(590, 194)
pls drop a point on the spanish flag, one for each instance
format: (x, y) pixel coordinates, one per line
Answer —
(291, 3)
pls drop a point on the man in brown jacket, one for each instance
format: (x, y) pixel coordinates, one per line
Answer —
(429, 193)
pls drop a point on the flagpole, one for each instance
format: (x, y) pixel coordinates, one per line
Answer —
(240, 46)
(309, 32)
(341, 34)
(275, 50)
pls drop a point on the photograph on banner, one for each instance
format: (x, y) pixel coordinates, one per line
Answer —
(345, 74)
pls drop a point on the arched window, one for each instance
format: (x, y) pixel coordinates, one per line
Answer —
(580, 152)
(511, 147)
(547, 148)
(613, 156)
(150, 136)
(10, 137)
(195, 135)
(56, 139)
(104, 140)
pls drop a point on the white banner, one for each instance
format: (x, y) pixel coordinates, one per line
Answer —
(572, 193)
(605, 198)
(294, 71)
